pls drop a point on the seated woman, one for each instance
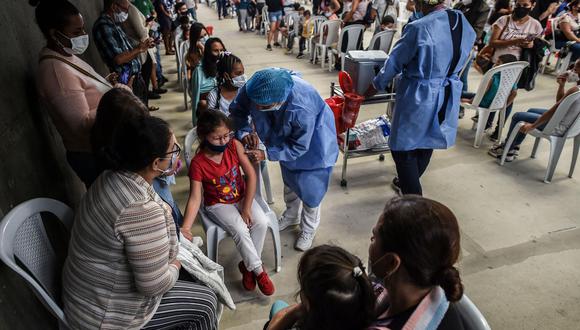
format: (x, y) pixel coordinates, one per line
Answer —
(569, 29)
(116, 107)
(538, 118)
(335, 294)
(414, 247)
(355, 11)
(216, 176)
(122, 268)
(230, 78)
(203, 76)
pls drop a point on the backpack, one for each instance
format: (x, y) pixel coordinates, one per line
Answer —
(368, 18)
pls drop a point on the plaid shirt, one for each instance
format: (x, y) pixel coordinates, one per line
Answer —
(111, 41)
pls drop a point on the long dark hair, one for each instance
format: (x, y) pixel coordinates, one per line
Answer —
(338, 296)
(115, 107)
(499, 5)
(53, 14)
(209, 61)
(425, 235)
(137, 143)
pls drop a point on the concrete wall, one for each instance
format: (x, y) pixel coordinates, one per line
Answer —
(32, 158)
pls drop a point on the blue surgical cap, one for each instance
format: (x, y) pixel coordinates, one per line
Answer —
(268, 86)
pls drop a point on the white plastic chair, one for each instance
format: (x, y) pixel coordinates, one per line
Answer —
(510, 74)
(471, 316)
(354, 34)
(548, 133)
(23, 237)
(328, 35)
(182, 53)
(315, 23)
(214, 233)
(265, 21)
(382, 41)
(291, 20)
(178, 41)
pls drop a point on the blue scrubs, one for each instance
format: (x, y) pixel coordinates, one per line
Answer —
(301, 136)
(422, 56)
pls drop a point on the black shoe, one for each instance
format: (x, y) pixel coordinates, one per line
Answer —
(269, 47)
(241, 29)
(494, 136)
(160, 83)
(396, 185)
(277, 44)
(300, 55)
(461, 113)
(160, 90)
(153, 96)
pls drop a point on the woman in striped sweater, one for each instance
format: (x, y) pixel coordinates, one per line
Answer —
(121, 271)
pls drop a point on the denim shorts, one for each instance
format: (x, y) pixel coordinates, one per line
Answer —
(275, 16)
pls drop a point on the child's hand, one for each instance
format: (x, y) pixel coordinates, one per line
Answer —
(247, 217)
(186, 233)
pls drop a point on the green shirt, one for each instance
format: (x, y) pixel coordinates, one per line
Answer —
(144, 6)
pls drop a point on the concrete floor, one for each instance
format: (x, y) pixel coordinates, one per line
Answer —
(520, 236)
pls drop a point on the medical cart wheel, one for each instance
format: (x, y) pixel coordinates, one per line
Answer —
(343, 183)
(381, 157)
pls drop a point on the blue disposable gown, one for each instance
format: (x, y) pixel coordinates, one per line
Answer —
(301, 136)
(422, 56)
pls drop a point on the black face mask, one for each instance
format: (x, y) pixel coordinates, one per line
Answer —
(521, 12)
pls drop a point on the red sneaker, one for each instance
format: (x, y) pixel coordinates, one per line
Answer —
(248, 278)
(265, 284)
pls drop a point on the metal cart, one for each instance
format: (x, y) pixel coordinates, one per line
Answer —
(389, 99)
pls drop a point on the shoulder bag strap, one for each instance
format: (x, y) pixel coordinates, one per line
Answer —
(76, 67)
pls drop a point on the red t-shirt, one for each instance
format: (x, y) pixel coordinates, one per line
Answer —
(222, 183)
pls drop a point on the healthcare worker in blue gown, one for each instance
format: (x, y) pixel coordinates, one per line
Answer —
(429, 57)
(297, 128)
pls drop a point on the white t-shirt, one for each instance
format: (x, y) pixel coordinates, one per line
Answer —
(514, 31)
(380, 6)
(190, 4)
(224, 105)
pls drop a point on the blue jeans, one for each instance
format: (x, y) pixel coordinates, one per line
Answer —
(192, 12)
(529, 116)
(158, 69)
(465, 75)
(575, 49)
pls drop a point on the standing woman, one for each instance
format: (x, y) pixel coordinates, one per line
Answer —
(430, 54)
(275, 13)
(297, 128)
(68, 86)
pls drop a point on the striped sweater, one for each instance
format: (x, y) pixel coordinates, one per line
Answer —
(118, 266)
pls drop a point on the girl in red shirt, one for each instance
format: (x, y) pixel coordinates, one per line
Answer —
(215, 170)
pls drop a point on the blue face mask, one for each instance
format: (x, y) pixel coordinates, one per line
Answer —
(216, 148)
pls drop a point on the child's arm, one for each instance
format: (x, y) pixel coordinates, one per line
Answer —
(191, 209)
(512, 97)
(251, 179)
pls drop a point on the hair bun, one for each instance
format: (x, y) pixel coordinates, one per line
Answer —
(450, 281)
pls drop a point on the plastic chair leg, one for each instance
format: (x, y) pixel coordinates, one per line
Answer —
(267, 185)
(501, 123)
(574, 155)
(556, 146)
(212, 243)
(275, 230)
(483, 116)
(535, 148)
(322, 56)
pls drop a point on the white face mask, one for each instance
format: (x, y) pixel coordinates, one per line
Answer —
(78, 44)
(169, 168)
(203, 39)
(572, 76)
(120, 17)
(239, 81)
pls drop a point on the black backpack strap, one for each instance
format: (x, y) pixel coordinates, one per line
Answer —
(456, 27)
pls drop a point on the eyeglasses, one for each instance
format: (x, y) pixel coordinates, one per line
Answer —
(176, 150)
(225, 138)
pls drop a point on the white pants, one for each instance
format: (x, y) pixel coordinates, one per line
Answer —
(310, 217)
(249, 241)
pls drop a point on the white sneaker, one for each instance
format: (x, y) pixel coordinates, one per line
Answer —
(285, 222)
(304, 241)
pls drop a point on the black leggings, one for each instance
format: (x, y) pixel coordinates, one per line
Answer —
(411, 165)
